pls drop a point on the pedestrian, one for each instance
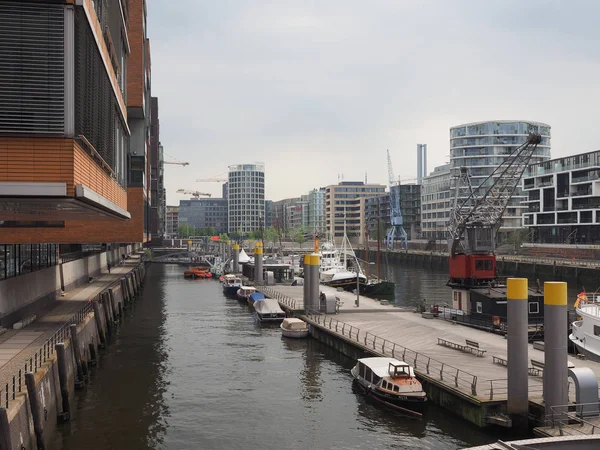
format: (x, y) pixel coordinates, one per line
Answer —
(108, 267)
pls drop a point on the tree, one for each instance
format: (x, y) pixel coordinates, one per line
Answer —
(299, 237)
(223, 237)
(516, 238)
(185, 231)
(271, 235)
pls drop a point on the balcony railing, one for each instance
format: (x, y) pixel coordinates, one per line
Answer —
(590, 177)
(581, 193)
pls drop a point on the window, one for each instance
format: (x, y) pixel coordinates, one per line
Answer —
(479, 307)
(534, 308)
(596, 330)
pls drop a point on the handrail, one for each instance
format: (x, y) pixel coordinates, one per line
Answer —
(420, 362)
(561, 416)
(281, 298)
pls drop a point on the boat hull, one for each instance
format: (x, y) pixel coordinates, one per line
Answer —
(294, 334)
(231, 291)
(270, 317)
(590, 356)
(381, 288)
(348, 284)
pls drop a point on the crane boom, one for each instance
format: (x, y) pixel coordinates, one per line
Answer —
(211, 180)
(478, 212)
(195, 194)
(177, 163)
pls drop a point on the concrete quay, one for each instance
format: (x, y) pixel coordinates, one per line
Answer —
(475, 388)
(42, 365)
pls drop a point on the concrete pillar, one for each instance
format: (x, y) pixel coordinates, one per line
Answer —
(77, 354)
(5, 440)
(63, 380)
(556, 392)
(36, 410)
(236, 258)
(306, 290)
(258, 263)
(98, 320)
(314, 281)
(518, 381)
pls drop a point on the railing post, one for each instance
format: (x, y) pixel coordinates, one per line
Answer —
(344, 326)
(442, 372)
(374, 339)
(456, 378)
(428, 361)
(383, 347)
(357, 333)
(474, 386)
(394, 350)
(366, 334)
(415, 362)
(336, 326)
(491, 389)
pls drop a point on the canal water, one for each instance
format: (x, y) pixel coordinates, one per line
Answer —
(190, 369)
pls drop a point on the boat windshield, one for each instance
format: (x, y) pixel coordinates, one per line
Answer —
(399, 370)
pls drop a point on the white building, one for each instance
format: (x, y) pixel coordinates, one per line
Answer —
(246, 198)
(436, 203)
(482, 146)
(316, 210)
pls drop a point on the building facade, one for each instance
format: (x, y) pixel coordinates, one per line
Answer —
(316, 211)
(563, 200)
(343, 208)
(246, 198)
(172, 219)
(204, 213)
(158, 200)
(436, 203)
(482, 146)
(268, 213)
(282, 210)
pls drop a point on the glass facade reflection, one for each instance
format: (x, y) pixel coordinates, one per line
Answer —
(482, 146)
(19, 259)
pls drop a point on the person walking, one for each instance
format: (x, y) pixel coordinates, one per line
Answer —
(108, 266)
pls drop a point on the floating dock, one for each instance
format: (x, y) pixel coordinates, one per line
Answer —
(474, 387)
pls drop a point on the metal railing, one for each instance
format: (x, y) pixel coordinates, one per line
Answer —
(421, 363)
(563, 415)
(281, 298)
(498, 389)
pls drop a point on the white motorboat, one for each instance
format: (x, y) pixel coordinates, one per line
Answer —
(268, 310)
(294, 328)
(585, 333)
(390, 381)
(231, 284)
(334, 270)
(244, 292)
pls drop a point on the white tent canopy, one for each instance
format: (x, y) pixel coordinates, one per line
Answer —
(243, 258)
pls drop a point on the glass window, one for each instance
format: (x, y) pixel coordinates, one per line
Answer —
(534, 308)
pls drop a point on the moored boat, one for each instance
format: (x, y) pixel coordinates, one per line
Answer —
(231, 284)
(389, 380)
(268, 310)
(294, 328)
(197, 272)
(585, 333)
(244, 292)
(255, 297)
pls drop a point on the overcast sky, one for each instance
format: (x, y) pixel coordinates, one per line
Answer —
(319, 88)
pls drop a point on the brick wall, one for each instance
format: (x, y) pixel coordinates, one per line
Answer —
(135, 61)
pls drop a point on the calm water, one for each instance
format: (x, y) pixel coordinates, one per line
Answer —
(190, 369)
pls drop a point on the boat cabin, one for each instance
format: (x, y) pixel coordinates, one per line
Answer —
(376, 370)
(400, 370)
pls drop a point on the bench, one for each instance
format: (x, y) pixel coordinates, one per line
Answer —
(474, 346)
(536, 367)
(499, 360)
(463, 348)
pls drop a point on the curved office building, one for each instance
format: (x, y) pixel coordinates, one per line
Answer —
(482, 146)
(246, 198)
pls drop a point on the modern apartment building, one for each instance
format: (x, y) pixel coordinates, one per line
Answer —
(436, 203)
(172, 221)
(316, 210)
(482, 146)
(246, 198)
(268, 213)
(563, 200)
(342, 205)
(73, 148)
(282, 213)
(204, 213)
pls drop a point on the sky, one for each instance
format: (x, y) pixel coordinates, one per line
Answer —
(318, 90)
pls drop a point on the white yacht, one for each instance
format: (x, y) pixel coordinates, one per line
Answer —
(585, 333)
(334, 270)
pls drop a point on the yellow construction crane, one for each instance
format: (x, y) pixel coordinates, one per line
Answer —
(211, 180)
(177, 163)
(195, 194)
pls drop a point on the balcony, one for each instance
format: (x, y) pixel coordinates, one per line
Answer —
(590, 177)
(581, 192)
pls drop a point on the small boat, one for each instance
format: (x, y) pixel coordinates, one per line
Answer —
(231, 284)
(268, 310)
(294, 328)
(197, 272)
(253, 298)
(244, 292)
(585, 332)
(389, 380)
(379, 288)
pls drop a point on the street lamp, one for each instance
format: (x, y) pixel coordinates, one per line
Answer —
(357, 302)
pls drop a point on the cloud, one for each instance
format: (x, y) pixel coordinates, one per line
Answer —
(315, 89)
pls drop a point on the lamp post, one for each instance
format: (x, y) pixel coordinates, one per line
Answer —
(357, 302)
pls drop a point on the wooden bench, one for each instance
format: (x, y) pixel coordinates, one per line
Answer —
(474, 347)
(463, 348)
(499, 360)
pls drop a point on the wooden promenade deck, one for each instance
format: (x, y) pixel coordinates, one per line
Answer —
(401, 333)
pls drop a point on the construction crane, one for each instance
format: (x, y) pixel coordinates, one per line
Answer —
(194, 194)
(396, 230)
(476, 217)
(210, 180)
(177, 163)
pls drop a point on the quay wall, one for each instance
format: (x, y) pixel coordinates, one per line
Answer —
(21, 433)
(27, 294)
(466, 407)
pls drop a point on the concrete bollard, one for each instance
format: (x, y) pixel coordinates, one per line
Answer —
(315, 264)
(98, 321)
(80, 381)
(518, 382)
(63, 381)
(258, 263)
(93, 358)
(556, 370)
(107, 318)
(306, 290)
(36, 411)
(236, 258)
(5, 441)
